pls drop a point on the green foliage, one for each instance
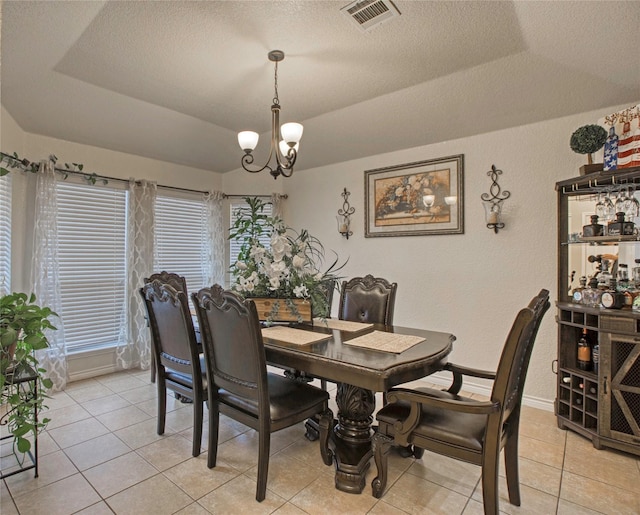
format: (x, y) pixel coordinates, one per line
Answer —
(23, 327)
(291, 267)
(588, 139)
(14, 162)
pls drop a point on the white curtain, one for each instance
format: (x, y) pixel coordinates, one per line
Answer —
(213, 248)
(134, 347)
(45, 272)
(278, 204)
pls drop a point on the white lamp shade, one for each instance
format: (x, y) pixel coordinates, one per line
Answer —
(284, 148)
(450, 201)
(291, 132)
(248, 140)
(428, 200)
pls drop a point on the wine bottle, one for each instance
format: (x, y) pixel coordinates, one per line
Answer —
(595, 356)
(584, 352)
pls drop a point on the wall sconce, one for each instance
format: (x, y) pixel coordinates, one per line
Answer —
(344, 215)
(493, 200)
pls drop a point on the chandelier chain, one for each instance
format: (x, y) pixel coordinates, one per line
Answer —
(276, 100)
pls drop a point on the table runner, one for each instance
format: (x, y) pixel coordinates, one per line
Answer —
(385, 342)
(342, 325)
(291, 335)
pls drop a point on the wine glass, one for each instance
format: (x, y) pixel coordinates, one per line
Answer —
(620, 201)
(609, 210)
(631, 205)
(600, 206)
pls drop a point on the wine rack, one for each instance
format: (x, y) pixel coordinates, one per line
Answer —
(603, 406)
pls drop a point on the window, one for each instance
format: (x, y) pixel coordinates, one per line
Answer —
(92, 260)
(5, 234)
(235, 244)
(180, 239)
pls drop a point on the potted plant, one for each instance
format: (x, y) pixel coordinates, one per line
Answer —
(23, 326)
(284, 278)
(587, 140)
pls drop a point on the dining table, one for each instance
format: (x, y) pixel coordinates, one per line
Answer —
(361, 359)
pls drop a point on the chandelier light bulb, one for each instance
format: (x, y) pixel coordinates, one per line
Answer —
(291, 132)
(248, 140)
(284, 147)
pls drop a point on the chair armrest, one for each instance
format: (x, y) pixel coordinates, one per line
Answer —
(459, 371)
(423, 398)
(404, 428)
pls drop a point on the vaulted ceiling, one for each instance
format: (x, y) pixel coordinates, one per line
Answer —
(176, 80)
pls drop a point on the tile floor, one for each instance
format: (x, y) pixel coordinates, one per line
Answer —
(101, 455)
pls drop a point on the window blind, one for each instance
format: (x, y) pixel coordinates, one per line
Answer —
(180, 239)
(92, 261)
(5, 234)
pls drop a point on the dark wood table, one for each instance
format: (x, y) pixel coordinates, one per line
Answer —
(359, 373)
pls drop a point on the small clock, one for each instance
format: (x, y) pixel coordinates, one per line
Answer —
(577, 296)
(612, 299)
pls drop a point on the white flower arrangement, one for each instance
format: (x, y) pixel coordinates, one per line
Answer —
(291, 266)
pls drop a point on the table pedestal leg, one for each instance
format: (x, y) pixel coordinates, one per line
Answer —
(351, 437)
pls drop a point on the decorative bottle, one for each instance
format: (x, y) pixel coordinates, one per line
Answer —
(584, 352)
(611, 150)
(577, 295)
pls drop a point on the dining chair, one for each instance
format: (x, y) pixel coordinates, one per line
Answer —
(462, 428)
(240, 386)
(367, 299)
(180, 367)
(180, 284)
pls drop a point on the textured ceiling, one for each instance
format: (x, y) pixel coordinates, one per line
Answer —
(176, 80)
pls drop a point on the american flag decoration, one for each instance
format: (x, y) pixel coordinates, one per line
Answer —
(622, 148)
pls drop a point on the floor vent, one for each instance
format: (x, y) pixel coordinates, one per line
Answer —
(368, 14)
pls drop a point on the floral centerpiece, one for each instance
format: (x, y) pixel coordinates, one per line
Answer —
(288, 268)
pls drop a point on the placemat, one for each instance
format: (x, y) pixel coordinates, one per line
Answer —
(385, 342)
(291, 335)
(342, 325)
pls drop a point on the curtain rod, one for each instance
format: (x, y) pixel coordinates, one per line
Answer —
(95, 176)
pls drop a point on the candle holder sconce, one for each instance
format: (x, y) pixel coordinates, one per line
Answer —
(493, 201)
(344, 215)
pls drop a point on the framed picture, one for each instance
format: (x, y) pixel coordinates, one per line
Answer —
(415, 199)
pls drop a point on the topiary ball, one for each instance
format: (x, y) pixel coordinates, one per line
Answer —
(588, 139)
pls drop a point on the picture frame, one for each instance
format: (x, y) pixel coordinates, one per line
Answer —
(415, 199)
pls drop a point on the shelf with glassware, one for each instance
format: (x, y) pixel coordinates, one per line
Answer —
(598, 375)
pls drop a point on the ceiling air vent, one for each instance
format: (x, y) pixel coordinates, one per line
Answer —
(368, 14)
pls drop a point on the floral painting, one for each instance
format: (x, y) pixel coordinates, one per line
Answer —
(415, 199)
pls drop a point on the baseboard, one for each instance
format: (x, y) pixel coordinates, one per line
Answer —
(93, 372)
(88, 364)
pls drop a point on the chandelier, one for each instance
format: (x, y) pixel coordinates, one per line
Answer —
(285, 149)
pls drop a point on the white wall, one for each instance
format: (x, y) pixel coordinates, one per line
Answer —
(471, 285)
